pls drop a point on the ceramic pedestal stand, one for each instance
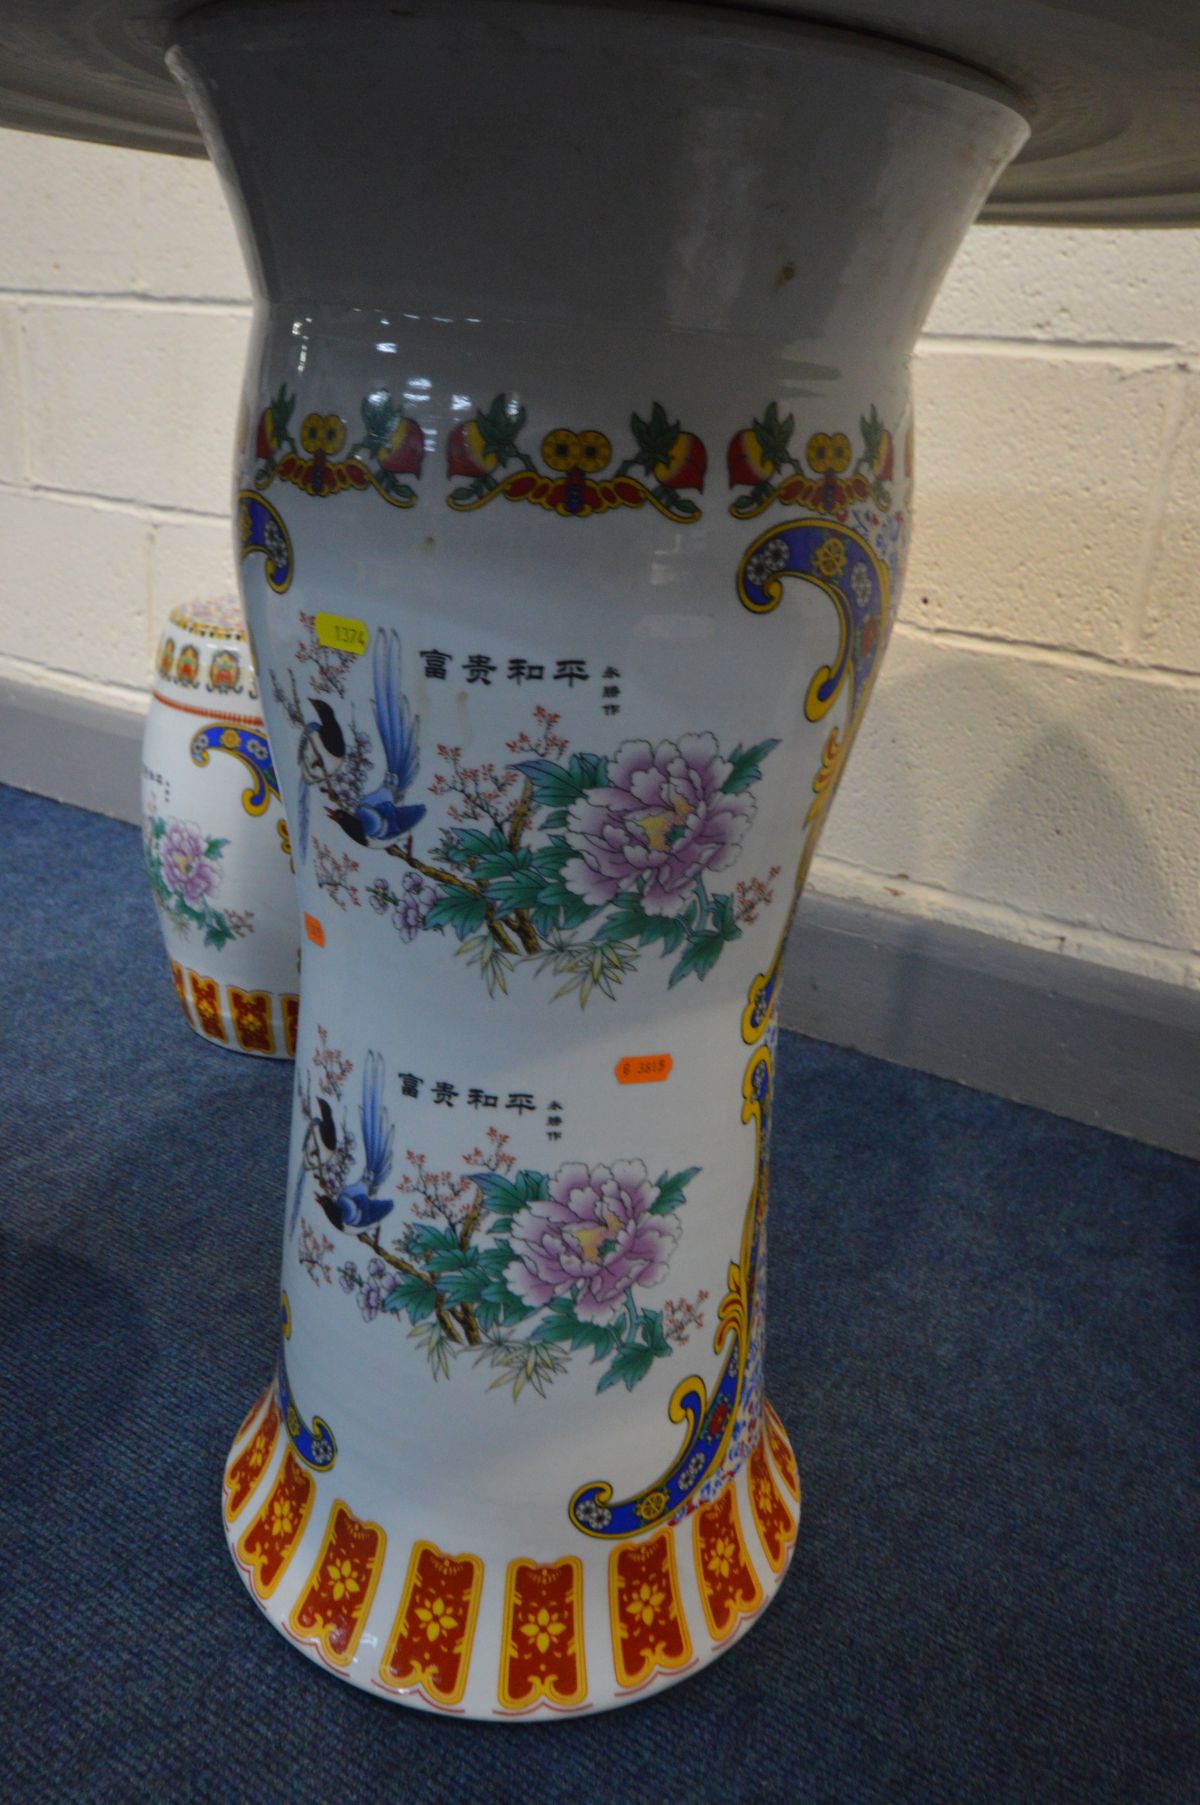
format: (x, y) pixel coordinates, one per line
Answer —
(216, 843)
(574, 496)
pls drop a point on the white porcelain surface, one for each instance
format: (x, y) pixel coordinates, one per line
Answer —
(215, 839)
(575, 490)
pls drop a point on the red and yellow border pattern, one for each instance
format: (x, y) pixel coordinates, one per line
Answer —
(649, 1630)
(541, 1652)
(264, 1549)
(729, 1586)
(255, 1021)
(333, 1606)
(429, 1650)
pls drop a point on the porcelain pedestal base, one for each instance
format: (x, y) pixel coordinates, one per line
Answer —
(422, 1623)
(574, 496)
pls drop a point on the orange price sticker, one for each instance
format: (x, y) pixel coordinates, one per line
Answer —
(649, 1068)
(314, 930)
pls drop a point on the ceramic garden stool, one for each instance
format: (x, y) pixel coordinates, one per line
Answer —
(215, 839)
(572, 515)
(574, 495)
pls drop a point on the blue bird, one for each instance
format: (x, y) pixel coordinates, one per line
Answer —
(322, 749)
(318, 1145)
(358, 1207)
(382, 815)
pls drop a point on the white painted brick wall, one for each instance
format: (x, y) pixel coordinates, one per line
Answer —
(1031, 763)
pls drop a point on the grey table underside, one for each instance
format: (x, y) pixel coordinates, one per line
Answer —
(1111, 89)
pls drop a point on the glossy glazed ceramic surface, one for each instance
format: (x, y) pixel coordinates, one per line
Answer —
(572, 515)
(215, 838)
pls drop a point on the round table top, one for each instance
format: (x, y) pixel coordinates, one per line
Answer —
(1111, 88)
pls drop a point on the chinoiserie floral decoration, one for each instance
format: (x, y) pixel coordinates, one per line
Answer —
(184, 866)
(574, 479)
(389, 448)
(829, 477)
(517, 1269)
(576, 863)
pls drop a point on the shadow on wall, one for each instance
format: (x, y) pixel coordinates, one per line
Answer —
(1036, 792)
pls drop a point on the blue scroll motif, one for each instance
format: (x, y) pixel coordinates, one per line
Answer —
(261, 529)
(249, 746)
(840, 563)
(843, 567)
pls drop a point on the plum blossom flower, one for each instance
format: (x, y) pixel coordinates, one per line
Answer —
(186, 871)
(662, 819)
(416, 899)
(593, 1238)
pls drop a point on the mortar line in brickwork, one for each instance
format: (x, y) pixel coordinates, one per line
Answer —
(1133, 355)
(844, 880)
(1027, 651)
(1156, 512)
(129, 301)
(150, 513)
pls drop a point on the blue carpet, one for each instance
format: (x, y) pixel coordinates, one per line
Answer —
(982, 1337)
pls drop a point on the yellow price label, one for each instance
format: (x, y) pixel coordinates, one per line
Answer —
(341, 634)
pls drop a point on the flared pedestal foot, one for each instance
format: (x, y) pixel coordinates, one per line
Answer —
(499, 1629)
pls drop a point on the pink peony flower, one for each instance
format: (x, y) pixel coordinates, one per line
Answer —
(593, 1237)
(661, 819)
(185, 869)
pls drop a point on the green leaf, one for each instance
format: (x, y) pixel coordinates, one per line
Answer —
(871, 427)
(667, 931)
(469, 843)
(499, 426)
(434, 1246)
(558, 1322)
(466, 1282)
(522, 890)
(745, 763)
(700, 955)
(774, 435)
(554, 786)
(722, 919)
(654, 436)
(671, 1188)
(589, 769)
(488, 1312)
(503, 1197)
(380, 418)
(630, 1365)
(651, 1330)
(551, 858)
(499, 1302)
(411, 1298)
(457, 909)
(214, 848)
(626, 922)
